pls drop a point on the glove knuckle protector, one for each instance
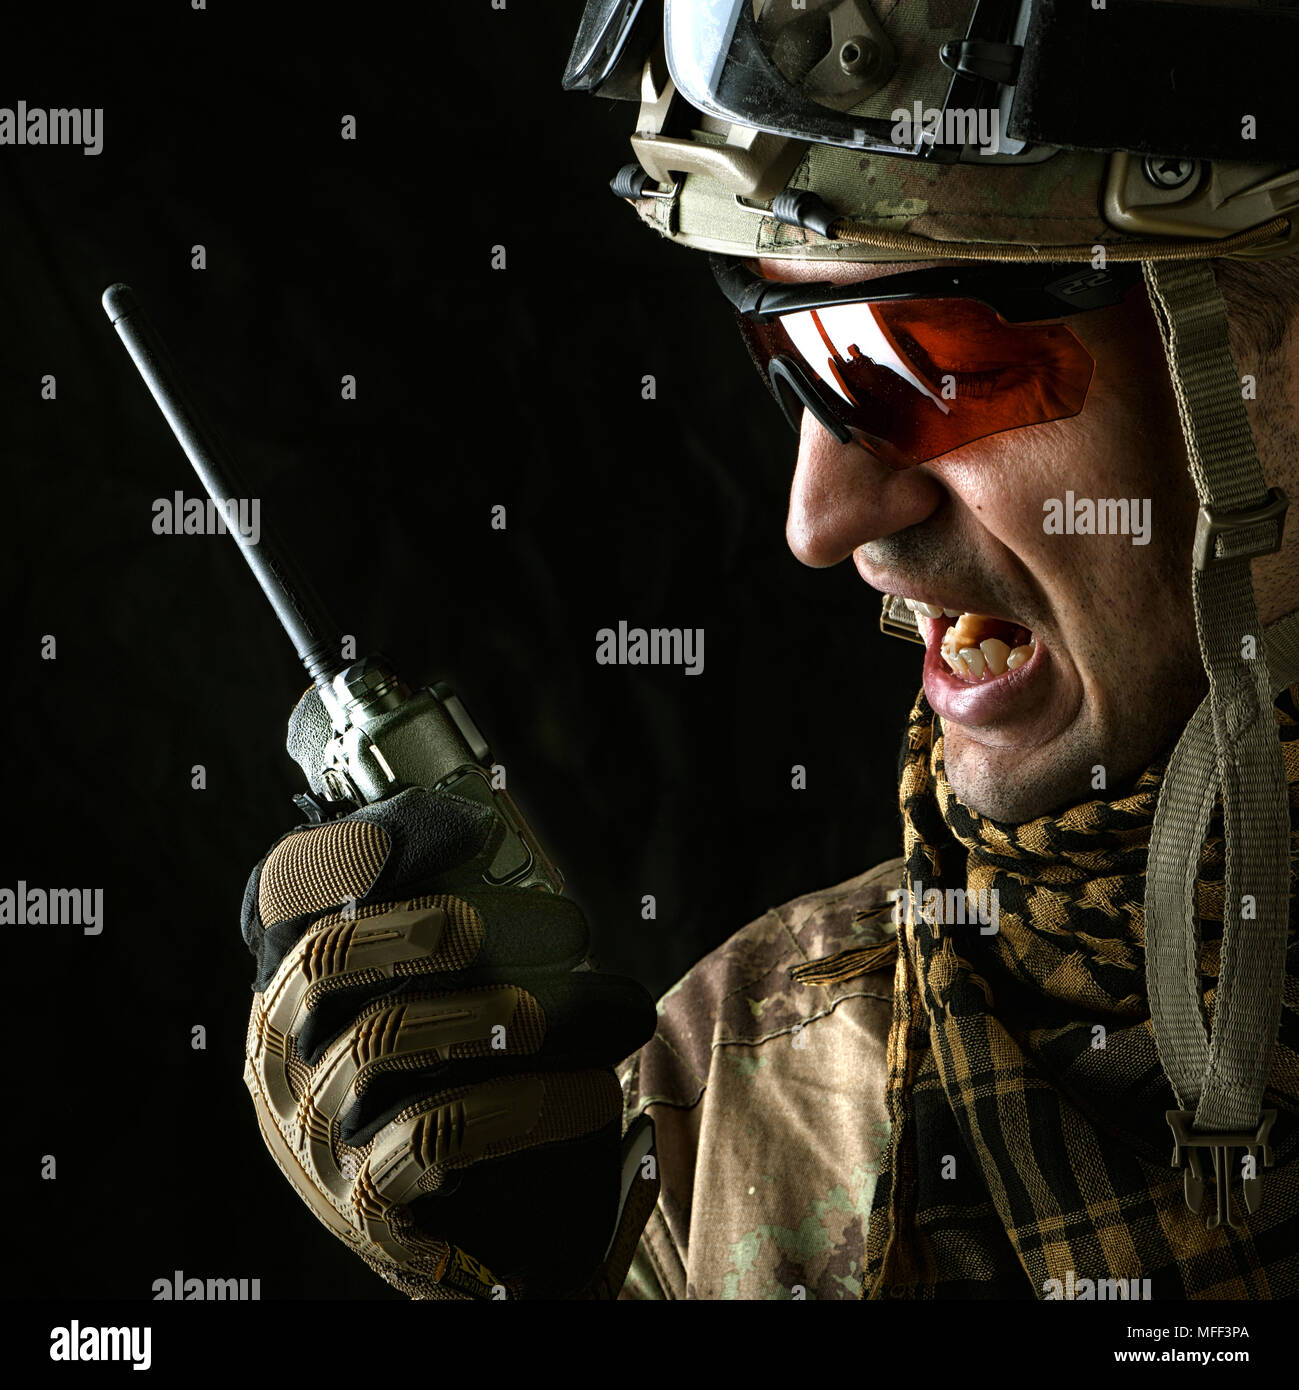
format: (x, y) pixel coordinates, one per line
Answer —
(425, 1066)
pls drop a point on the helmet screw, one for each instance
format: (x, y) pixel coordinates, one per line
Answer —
(1168, 173)
(859, 55)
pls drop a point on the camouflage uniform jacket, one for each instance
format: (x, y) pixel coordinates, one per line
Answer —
(768, 1103)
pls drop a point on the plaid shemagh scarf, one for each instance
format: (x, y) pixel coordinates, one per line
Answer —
(1022, 1149)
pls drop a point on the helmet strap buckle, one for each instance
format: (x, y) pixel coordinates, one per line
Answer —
(1213, 522)
(1186, 1146)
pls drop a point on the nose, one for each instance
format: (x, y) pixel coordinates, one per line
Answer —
(844, 496)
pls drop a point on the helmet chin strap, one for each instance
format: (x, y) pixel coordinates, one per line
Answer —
(1230, 748)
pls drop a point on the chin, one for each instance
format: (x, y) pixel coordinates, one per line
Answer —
(1014, 796)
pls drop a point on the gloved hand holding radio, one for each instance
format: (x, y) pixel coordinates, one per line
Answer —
(430, 1061)
(430, 1068)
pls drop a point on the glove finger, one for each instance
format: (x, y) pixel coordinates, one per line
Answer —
(305, 876)
(514, 1170)
(541, 1218)
(362, 1191)
(413, 1036)
(342, 961)
(585, 1018)
(320, 993)
(439, 942)
(401, 1050)
(498, 930)
(413, 838)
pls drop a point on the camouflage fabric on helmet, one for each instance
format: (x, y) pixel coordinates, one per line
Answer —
(767, 1096)
(1056, 203)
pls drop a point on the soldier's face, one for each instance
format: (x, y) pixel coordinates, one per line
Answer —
(1114, 670)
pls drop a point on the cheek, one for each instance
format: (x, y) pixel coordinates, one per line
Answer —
(1125, 444)
(1130, 445)
(1005, 480)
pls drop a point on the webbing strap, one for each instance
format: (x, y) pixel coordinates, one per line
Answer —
(1230, 746)
(1181, 822)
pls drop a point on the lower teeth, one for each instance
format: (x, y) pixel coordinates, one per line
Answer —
(975, 660)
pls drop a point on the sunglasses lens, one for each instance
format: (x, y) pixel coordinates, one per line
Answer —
(915, 379)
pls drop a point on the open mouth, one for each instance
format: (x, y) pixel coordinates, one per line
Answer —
(974, 647)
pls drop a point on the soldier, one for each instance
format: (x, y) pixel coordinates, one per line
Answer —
(1018, 276)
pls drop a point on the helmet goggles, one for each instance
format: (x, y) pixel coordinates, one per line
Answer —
(915, 365)
(1153, 78)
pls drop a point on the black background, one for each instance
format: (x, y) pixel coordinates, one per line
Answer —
(475, 387)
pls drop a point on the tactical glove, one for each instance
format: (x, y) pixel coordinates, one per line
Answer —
(431, 1061)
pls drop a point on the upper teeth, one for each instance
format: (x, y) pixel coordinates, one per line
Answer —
(930, 610)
